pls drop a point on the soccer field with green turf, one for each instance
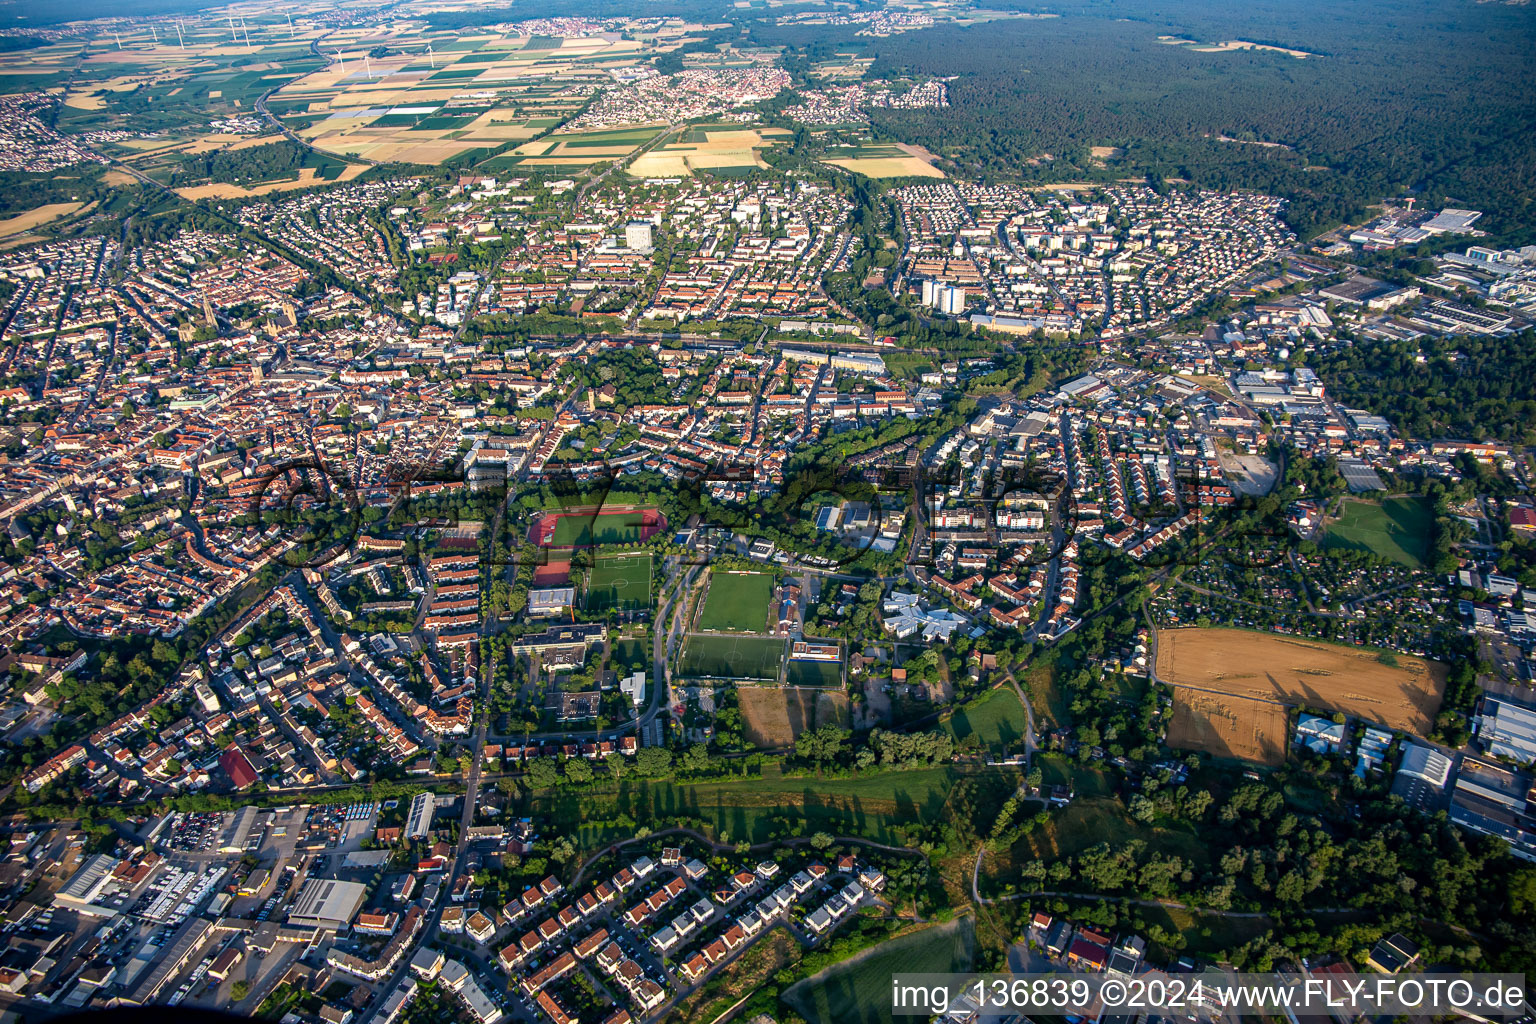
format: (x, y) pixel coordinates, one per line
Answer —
(737, 602)
(732, 657)
(1397, 529)
(621, 582)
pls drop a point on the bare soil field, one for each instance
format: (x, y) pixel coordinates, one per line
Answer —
(1290, 670)
(1243, 44)
(1228, 726)
(773, 716)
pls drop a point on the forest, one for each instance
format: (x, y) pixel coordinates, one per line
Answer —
(21, 191)
(270, 162)
(1481, 389)
(1396, 98)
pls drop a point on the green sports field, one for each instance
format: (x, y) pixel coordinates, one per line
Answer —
(590, 530)
(737, 602)
(804, 672)
(732, 657)
(1397, 529)
(619, 583)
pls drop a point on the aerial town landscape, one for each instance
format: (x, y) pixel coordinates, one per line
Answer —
(574, 516)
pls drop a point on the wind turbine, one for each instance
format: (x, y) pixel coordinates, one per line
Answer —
(430, 57)
(232, 33)
(119, 40)
(247, 30)
(343, 63)
(291, 33)
(367, 67)
(179, 39)
(155, 36)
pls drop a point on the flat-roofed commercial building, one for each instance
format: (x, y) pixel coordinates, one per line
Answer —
(327, 903)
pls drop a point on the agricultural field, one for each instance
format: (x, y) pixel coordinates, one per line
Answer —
(619, 582)
(1223, 725)
(1398, 529)
(847, 66)
(437, 95)
(582, 149)
(154, 83)
(470, 94)
(707, 148)
(306, 178)
(885, 161)
(732, 657)
(774, 715)
(36, 218)
(858, 990)
(996, 722)
(737, 602)
(1399, 691)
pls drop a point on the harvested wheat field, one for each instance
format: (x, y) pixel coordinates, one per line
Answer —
(1263, 666)
(887, 161)
(1227, 726)
(773, 716)
(36, 217)
(306, 178)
